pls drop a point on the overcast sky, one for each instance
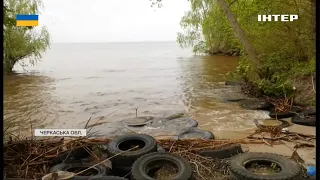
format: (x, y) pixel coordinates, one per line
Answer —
(112, 20)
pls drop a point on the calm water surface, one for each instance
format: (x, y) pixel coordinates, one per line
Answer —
(74, 82)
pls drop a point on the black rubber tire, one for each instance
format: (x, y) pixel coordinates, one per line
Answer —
(309, 111)
(80, 153)
(204, 134)
(143, 164)
(127, 158)
(280, 115)
(290, 169)
(296, 109)
(223, 153)
(76, 155)
(58, 167)
(109, 178)
(122, 171)
(101, 170)
(304, 119)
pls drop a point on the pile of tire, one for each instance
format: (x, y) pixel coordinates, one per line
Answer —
(126, 164)
(138, 164)
(147, 157)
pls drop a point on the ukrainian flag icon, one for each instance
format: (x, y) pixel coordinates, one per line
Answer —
(27, 20)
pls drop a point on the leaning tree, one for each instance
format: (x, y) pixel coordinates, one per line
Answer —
(22, 42)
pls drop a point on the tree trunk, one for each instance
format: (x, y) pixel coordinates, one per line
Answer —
(8, 66)
(240, 34)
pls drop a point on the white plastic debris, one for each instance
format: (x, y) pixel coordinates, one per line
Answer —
(285, 130)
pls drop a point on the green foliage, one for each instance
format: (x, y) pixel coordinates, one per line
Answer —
(304, 68)
(277, 86)
(206, 30)
(286, 50)
(242, 71)
(22, 42)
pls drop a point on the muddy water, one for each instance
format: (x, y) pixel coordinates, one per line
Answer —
(74, 82)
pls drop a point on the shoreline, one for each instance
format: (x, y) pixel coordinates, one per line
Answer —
(287, 149)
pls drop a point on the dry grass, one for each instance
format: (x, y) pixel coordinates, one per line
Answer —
(31, 159)
(203, 168)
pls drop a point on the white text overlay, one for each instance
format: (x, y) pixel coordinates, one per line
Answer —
(278, 17)
(60, 132)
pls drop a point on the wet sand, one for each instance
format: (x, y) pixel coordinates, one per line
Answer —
(308, 154)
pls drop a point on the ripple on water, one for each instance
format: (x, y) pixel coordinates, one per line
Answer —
(176, 81)
(233, 120)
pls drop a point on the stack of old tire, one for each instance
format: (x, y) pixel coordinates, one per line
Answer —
(138, 164)
(135, 165)
(142, 162)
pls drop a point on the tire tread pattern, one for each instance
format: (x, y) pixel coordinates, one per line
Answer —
(185, 167)
(291, 171)
(127, 158)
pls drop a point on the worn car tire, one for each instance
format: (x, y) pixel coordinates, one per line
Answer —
(147, 144)
(137, 121)
(152, 161)
(309, 111)
(302, 119)
(280, 115)
(200, 134)
(100, 169)
(120, 170)
(223, 153)
(289, 169)
(75, 155)
(109, 178)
